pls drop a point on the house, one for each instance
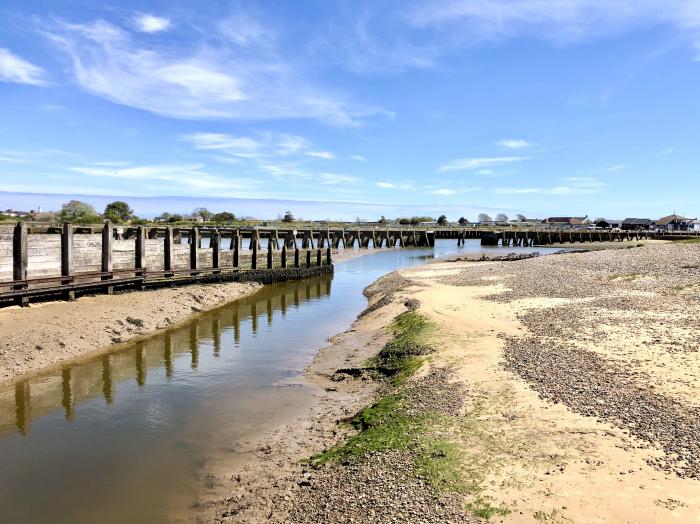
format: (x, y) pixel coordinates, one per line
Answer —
(567, 221)
(694, 225)
(674, 223)
(608, 223)
(637, 224)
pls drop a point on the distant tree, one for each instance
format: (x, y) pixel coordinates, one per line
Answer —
(175, 218)
(288, 217)
(483, 218)
(118, 212)
(501, 217)
(442, 220)
(201, 212)
(139, 221)
(224, 217)
(164, 217)
(382, 220)
(520, 217)
(463, 221)
(77, 211)
(404, 221)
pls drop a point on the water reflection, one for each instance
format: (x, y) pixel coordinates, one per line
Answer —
(101, 376)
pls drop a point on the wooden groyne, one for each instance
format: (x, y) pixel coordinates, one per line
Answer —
(60, 262)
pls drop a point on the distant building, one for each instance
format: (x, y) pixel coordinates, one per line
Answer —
(674, 223)
(608, 223)
(694, 225)
(567, 221)
(638, 224)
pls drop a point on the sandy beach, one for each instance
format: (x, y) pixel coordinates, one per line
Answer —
(557, 389)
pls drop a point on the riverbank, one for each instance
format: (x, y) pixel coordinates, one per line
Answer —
(46, 334)
(553, 388)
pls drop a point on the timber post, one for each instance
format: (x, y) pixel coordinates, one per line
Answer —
(319, 257)
(107, 261)
(329, 256)
(308, 258)
(194, 248)
(67, 257)
(296, 257)
(283, 257)
(140, 254)
(270, 257)
(168, 250)
(254, 259)
(216, 249)
(20, 259)
(235, 244)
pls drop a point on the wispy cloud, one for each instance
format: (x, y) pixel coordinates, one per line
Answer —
(17, 70)
(197, 80)
(359, 158)
(469, 164)
(443, 191)
(617, 167)
(327, 155)
(516, 190)
(147, 23)
(513, 143)
(404, 186)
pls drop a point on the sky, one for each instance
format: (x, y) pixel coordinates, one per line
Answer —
(344, 109)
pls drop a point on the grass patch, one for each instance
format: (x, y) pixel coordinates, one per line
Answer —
(402, 355)
(386, 426)
(689, 241)
(482, 507)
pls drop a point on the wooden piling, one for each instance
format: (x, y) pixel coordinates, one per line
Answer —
(296, 257)
(283, 257)
(20, 259)
(107, 262)
(168, 250)
(216, 249)
(194, 248)
(67, 257)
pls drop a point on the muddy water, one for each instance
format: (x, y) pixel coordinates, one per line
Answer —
(124, 436)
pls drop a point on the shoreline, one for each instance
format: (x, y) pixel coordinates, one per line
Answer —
(541, 452)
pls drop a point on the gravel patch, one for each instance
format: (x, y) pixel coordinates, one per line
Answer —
(594, 386)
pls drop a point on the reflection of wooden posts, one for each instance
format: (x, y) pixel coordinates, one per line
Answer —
(283, 304)
(216, 332)
(329, 256)
(140, 365)
(254, 317)
(107, 261)
(236, 327)
(283, 257)
(107, 385)
(140, 254)
(296, 257)
(168, 251)
(23, 413)
(296, 296)
(319, 257)
(20, 258)
(270, 257)
(67, 257)
(254, 259)
(194, 248)
(194, 346)
(216, 249)
(308, 258)
(67, 399)
(269, 311)
(168, 355)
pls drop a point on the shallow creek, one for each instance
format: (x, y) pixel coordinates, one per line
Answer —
(124, 436)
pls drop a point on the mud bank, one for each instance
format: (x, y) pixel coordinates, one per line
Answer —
(46, 334)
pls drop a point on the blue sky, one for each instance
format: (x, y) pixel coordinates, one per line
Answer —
(541, 107)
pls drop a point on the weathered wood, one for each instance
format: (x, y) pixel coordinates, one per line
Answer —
(168, 249)
(194, 248)
(216, 249)
(67, 250)
(254, 259)
(308, 258)
(20, 253)
(319, 257)
(236, 243)
(296, 257)
(283, 257)
(270, 257)
(140, 249)
(107, 241)
(329, 256)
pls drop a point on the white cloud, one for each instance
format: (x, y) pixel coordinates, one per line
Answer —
(336, 179)
(468, 164)
(196, 81)
(386, 185)
(359, 158)
(443, 192)
(321, 154)
(404, 186)
(17, 70)
(618, 167)
(513, 143)
(234, 145)
(147, 23)
(246, 30)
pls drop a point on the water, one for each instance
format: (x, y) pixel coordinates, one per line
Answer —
(124, 437)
